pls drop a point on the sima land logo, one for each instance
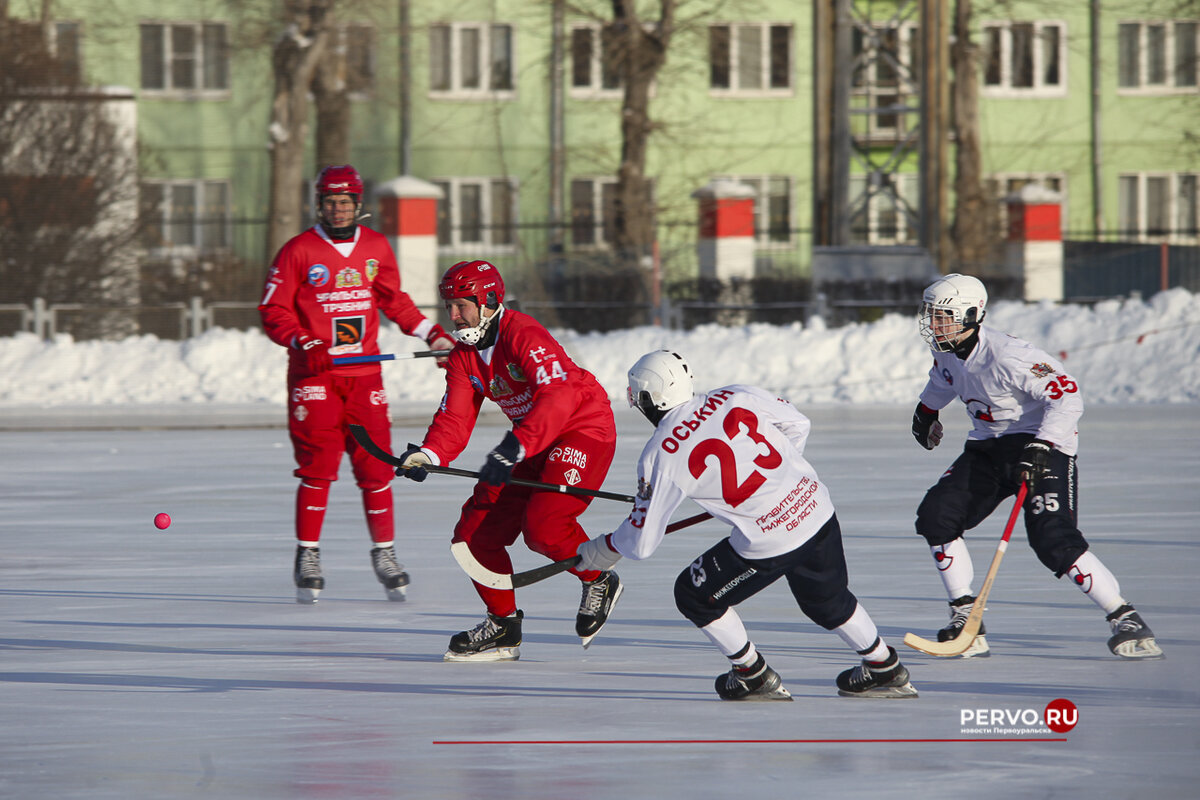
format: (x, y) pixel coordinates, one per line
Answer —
(1059, 716)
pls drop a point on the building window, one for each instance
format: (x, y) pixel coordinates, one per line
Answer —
(750, 59)
(884, 214)
(477, 212)
(186, 216)
(185, 57)
(593, 61)
(471, 59)
(593, 211)
(357, 42)
(1023, 58)
(772, 207)
(883, 81)
(1157, 56)
(1159, 206)
(64, 46)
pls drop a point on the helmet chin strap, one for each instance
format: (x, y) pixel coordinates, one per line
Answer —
(474, 336)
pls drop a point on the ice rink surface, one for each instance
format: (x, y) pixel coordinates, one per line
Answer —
(140, 663)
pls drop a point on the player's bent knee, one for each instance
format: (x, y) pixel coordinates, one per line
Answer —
(693, 604)
(832, 612)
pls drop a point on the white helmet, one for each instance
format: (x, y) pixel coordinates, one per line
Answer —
(659, 381)
(952, 307)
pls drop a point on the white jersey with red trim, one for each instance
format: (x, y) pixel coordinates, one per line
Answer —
(1009, 386)
(737, 452)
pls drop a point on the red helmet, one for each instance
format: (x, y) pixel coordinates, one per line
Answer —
(473, 279)
(341, 179)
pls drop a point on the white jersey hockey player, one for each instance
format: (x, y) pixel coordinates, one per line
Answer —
(1025, 409)
(737, 452)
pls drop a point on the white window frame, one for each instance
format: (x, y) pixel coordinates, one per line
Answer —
(456, 90)
(762, 208)
(909, 191)
(1169, 86)
(734, 90)
(594, 89)
(199, 223)
(198, 89)
(1173, 234)
(451, 206)
(1039, 89)
(867, 94)
(601, 226)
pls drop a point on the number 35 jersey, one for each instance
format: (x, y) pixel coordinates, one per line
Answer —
(1009, 386)
(737, 452)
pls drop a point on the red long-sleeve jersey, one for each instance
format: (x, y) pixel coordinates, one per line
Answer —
(529, 375)
(313, 288)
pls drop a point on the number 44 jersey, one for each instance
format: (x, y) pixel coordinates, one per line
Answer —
(737, 452)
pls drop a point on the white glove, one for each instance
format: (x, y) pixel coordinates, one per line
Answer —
(596, 554)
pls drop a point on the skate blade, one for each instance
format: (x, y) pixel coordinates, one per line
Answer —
(397, 595)
(495, 654)
(307, 596)
(781, 693)
(1142, 648)
(884, 692)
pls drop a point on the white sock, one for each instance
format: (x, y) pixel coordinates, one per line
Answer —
(1097, 582)
(954, 565)
(860, 633)
(728, 633)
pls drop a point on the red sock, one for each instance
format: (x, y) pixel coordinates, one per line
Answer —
(311, 499)
(377, 504)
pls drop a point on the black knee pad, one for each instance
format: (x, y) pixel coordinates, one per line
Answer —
(831, 612)
(693, 604)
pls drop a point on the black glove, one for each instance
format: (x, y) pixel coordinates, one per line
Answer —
(925, 427)
(1035, 461)
(412, 463)
(498, 468)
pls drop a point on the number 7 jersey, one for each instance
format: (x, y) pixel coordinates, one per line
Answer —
(737, 452)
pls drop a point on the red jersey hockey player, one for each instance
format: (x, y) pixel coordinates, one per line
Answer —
(323, 296)
(563, 433)
(1025, 412)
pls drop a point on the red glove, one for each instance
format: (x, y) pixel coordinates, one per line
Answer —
(315, 352)
(438, 339)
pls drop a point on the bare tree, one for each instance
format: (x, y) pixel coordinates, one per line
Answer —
(295, 61)
(972, 234)
(68, 179)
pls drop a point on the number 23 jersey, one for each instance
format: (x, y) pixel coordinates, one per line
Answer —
(737, 452)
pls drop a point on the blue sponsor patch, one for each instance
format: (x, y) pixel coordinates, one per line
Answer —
(478, 384)
(318, 275)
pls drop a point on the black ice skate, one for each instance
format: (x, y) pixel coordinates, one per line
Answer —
(1131, 637)
(886, 680)
(494, 639)
(960, 609)
(307, 574)
(390, 573)
(752, 683)
(599, 598)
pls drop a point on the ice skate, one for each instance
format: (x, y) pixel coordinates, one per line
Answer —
(599, 598)
(390, 573)
(960, 609)
(1131, 637)
(307, 574)
(886, 680)
(753, 683)
(494, 639)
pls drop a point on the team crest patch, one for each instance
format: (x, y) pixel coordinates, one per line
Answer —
(1041, 370)
(572, 477)
(515, 372)
(500, 387)
(318, 275)
(372, 268)
(644, 489)
(300, 413)
(348, 278)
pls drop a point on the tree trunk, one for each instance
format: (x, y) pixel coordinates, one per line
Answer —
(333, 108)
(640, 54)
(295, 60)
(972, 233)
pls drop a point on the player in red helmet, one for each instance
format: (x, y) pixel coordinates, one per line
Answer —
(563, 433)
(323, 296)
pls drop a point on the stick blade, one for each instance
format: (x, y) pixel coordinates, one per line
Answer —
(478, 572)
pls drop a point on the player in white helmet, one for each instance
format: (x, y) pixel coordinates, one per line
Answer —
(737, 452)
(1024, 409)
